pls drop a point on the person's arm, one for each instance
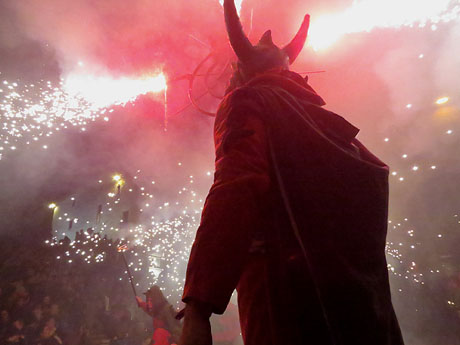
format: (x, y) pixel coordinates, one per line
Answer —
(197, 327)
(232, 209)
(141, 304)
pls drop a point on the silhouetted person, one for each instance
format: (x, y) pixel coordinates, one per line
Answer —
(296, 219)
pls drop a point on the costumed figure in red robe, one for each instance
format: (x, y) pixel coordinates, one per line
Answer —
(166, 328)
(296, 219)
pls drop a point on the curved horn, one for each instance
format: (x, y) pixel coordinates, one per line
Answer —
(240, 43)
(294, 48)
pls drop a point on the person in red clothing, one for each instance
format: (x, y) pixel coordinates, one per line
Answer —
(296, 218)
(165, 325)
(161, 336)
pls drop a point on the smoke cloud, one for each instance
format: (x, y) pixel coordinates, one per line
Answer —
(118, 35)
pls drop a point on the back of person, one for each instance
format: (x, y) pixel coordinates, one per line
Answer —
(327, 222)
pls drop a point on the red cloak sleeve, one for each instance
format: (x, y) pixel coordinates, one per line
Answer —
(232, 210)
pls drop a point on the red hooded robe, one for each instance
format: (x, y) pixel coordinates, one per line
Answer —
(296, 220)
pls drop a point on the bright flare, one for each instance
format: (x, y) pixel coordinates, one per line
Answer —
(52, 206)
(103, 91)
(364, 16)
(118, 180)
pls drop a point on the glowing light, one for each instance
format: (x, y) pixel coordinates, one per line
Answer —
(116, 178)
(103, 91)
(442, 100)
(52, 206)
(364, 16)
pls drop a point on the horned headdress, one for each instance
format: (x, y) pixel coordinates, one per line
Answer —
(265, 55)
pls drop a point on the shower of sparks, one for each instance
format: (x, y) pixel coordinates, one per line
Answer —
(364, 16)
(34, 112)
(157, 246)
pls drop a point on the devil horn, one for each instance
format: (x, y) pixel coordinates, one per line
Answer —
(240, 43)
(266, 38)
(294, 48)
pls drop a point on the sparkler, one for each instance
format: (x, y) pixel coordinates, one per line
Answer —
(121, 250)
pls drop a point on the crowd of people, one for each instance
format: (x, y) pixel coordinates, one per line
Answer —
(48, 301)
(51, 294)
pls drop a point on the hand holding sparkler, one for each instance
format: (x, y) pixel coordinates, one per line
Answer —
(139, 301)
